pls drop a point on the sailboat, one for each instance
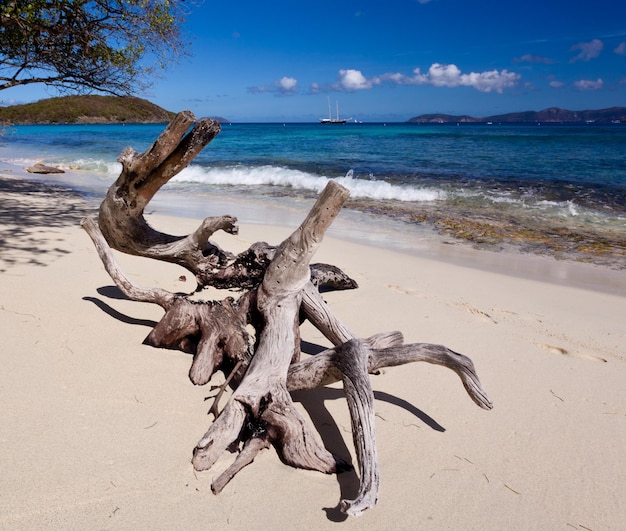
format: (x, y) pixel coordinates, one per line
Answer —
(330, 119)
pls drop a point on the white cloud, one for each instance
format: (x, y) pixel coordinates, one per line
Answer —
(589, 84)
(441, 75)
(288, 84)
(285, 86)
(620, 49)
(354, 80)
(588, 50)
(491, 80)
(556, 84)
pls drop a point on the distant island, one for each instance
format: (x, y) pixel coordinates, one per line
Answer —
(88, 110)
(551, 115)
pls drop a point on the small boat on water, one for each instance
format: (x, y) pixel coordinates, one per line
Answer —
(330, 119)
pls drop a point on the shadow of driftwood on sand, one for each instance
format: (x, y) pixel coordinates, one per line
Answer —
(30, 213)
(118, 315)
(331, 434)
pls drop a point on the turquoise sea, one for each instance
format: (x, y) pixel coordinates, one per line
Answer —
(557, 190)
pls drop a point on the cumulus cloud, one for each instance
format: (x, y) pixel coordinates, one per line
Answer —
(589, 84)
(490, 81)
(588, 50)
(556, 84)
(439, 76)
(285, 86)
(354, 80)
(288, 84)
(620, 49)
(449, 75)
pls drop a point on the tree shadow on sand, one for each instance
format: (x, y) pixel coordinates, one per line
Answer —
(32, 216)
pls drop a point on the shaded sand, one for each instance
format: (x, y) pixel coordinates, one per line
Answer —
(33, 218)
(97, 429)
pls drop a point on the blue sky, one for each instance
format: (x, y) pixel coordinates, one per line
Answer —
(281, 60)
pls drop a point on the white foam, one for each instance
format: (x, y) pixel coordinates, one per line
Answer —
(300, 180)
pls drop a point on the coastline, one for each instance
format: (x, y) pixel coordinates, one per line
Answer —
(502, 188)
(360, 226)
(422, 242)
(99, 428)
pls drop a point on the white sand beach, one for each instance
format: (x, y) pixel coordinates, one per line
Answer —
(97, 429)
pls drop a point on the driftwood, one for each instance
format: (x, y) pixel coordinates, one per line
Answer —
(42, 168)
(278, 288)
(122, 223)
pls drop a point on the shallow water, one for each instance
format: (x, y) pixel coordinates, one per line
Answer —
(558, 190)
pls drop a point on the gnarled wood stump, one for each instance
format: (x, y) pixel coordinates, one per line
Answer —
(279, 288)
(122, 223)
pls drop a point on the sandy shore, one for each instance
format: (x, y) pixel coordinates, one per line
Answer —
(97, 429)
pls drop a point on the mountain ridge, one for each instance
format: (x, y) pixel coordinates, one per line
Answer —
(550, 115)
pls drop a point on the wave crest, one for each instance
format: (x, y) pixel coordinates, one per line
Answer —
(279, 176)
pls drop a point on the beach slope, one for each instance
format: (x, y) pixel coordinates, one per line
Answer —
(97, 428)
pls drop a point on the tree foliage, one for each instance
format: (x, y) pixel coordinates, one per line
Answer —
(113, 46)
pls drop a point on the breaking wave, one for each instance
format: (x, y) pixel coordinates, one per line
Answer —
(300, 180)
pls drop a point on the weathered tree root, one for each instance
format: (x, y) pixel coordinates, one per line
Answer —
(352, 361)
(321, 369)
(255, 419)
(279, 289)
(125, 229)
(262, 399)
(214, 332)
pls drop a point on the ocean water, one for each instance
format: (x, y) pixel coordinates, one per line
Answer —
(557, 190)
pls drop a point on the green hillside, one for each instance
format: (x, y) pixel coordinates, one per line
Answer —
(85, 110)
